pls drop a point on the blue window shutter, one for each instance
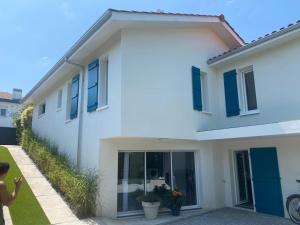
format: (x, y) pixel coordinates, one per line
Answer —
(197, 94)
(231, 94)
(93, 73)
(74, 97)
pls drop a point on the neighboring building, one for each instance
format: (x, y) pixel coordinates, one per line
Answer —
(9, 106)
(150, 99)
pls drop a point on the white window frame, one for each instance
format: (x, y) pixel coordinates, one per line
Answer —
(197, 176)
(242, 92)
(103, 71)
(205, 93)
(40, 113)
(59, 100)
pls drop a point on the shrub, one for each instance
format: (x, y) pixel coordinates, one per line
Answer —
(79, 190)
(149, 197)
(23, 121)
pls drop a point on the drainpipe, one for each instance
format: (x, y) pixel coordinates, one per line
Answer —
(80, 114)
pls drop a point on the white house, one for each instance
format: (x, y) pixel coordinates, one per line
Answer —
(9, 106)
(153, 98)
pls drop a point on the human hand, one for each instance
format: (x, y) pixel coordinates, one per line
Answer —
(18, 182)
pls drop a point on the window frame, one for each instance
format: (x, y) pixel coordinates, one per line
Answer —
(5, 112)
(59, 100)
(103, 71)
(42, 109)
(205, 93)
(75, 79)
(243, 93)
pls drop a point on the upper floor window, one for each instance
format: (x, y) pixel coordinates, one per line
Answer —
(93, 71)
(240, 94)
(103, 81)
(97, 84)
(73, 98)
(200, 90)
(3, 112)
(42, 109)
(204, 91)
(247, 90)
(59, 99)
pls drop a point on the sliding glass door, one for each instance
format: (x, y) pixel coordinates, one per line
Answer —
(130, 180)
(141, 172)
(184, 175)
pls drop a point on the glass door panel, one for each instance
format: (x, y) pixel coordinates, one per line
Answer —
(184, 175)
(158, 170)
(131, 173)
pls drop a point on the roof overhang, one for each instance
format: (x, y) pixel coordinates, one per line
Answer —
(264, 130)
(114, 20)
(269, 41)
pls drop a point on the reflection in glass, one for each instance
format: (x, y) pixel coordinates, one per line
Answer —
(158, 170)
(184, 175)
(130, 180)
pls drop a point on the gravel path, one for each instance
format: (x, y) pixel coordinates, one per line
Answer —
(230, 216)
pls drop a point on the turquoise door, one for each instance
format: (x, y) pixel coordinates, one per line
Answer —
(266, 181)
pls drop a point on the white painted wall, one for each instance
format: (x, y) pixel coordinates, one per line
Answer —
(209, 176)
(276, 74)
(288, 159)
(54, 125)
(156, 81)
(11, 109)
(103, 123)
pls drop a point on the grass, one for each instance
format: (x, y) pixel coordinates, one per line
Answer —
(26, 209)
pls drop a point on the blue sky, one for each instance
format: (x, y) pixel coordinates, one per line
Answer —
(36, 33)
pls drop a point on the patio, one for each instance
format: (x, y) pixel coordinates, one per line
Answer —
(225, 216)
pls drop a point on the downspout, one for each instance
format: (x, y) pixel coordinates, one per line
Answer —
(79, 139)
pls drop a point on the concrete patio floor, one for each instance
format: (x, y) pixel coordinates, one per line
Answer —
(230, 216)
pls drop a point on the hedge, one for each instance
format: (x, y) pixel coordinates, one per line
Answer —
(79, 190)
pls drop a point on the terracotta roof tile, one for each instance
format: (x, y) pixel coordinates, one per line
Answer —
(253, 42)
(5, 95)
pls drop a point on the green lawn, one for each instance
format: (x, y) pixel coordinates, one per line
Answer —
(26, 210)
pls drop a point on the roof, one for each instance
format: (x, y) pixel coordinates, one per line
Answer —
(255, 43)
(16, 101)
(5, 95)
(221, 17)
(102, 21)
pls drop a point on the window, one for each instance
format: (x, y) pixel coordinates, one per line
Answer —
(204, 90)
(74, 96)
(42, 109)
(247, 90)
(141, 172)
(93, 71)
(59, 99)
(200, 90)
(103, 83)
(3, 112)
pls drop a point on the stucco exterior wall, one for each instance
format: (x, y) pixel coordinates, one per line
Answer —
(156, 84)
(288, 159)
(276, 74)
(208, 176)
(55, 126)
(11, 109)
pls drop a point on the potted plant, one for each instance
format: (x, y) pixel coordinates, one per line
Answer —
(174, 200)
(150, 202)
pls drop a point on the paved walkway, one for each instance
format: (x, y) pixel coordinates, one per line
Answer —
(51, 202)
(7, 217)
(229, 216)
